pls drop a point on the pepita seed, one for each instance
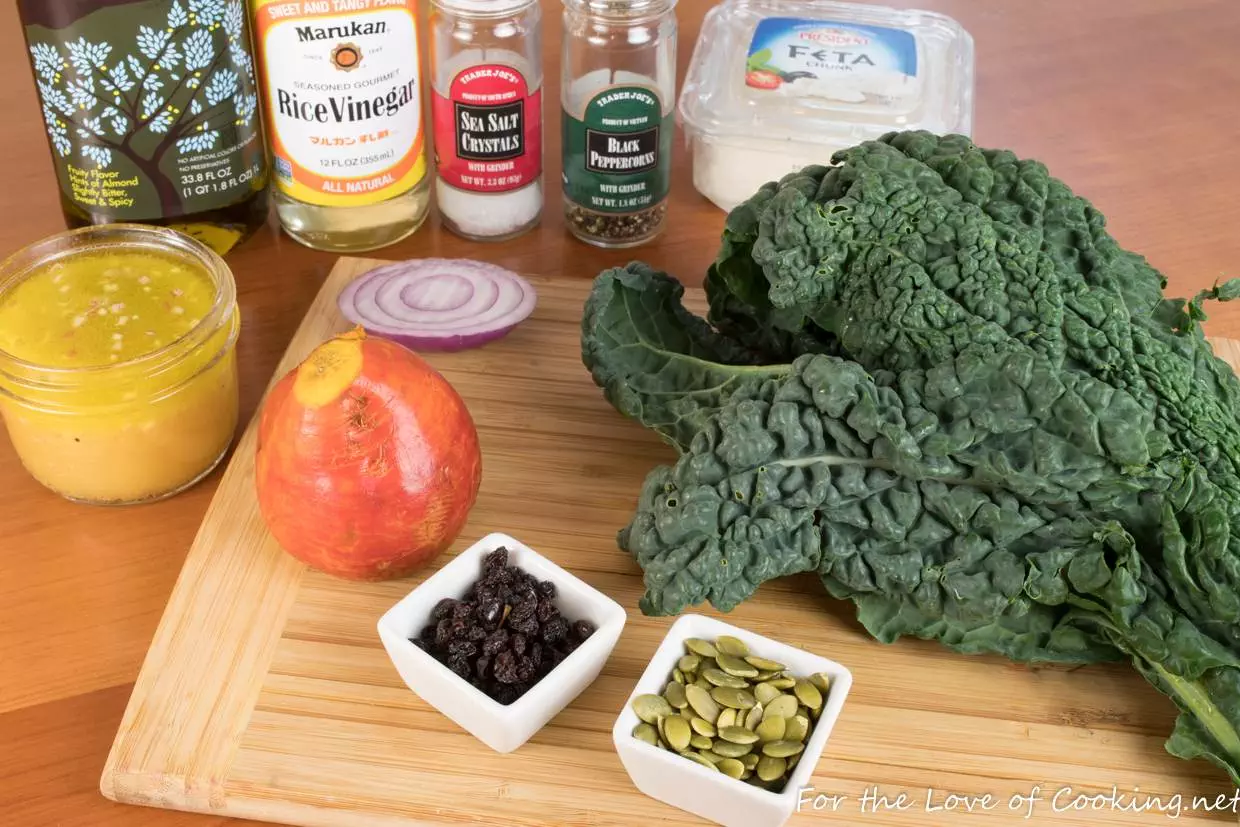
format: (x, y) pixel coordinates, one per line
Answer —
(763, 664)
(750, 760)
(821, 680)
(773, 729)
(677, 733)
(703, 727)
(703, 704)
(765, 693)
(678, 676)
(689, 663)
(726, 718)
(731, 646)
(697, 759)
(710, 756)
(645, 732)
(720, 678)
(731, 767)
(785, 706)
(797, 728)
(808, 694)
(783, 682)
(765, 676)
(738, 735)
(753, 717)
(781, 749)
(674, 694)
(700, 742)
(746, 775)
(730, 750)
(662, 732)
(651, 707)
(687, 713)
(735, 666)
(702, 683)
(701, 647)
(733, 698)
(770, 767)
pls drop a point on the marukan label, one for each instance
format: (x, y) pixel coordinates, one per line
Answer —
(488, 130)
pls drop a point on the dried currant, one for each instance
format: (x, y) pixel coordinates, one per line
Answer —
(461, 611)
(526, 624)
(546, 610)
(443, 632)
(505, 667)
(518, 644)
(554, 630)
(477, 634)
(462, 649)
(495, 642)
(582, 629)
(460, 666)
(496, 559)
(546, 589)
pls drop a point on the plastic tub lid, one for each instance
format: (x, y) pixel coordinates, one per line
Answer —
(829, 73)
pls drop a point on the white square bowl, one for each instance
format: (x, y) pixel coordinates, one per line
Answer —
(503, 728)
(707, 793)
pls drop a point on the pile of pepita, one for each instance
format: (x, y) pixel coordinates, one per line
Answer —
(743, 715)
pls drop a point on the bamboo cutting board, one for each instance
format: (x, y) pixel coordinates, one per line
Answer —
(267, 695)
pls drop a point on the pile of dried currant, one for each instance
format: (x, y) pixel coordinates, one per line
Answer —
(505, 634)
(746, 716)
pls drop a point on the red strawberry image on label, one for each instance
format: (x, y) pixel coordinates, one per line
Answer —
(762, 79)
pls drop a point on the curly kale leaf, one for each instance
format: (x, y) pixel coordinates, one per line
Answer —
(932, 377)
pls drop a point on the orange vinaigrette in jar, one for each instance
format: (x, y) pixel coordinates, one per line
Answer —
(118, 375)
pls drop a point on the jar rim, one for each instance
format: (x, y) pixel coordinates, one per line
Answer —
(485, 8)
(621, 9)
(22, 264)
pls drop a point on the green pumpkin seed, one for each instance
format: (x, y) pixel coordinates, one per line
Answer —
(703, 727)
(785, 706)
(677, 733)
(727, 749)
(797, 728)
(783, 682)
(710, 756)
(659, 727)
(645, 732)
(697, 646)
(808, 694)
(731, 767)
(726, 718)
(689, 663)
(731, 646)
(674, 694)
(781, 749)
(746, 775)
(764, 664)
(753, 717)
(773, 729)
(702, 683)
(651, 707)
(703, 704)
(765, 693)
(697, 759)
(733, 698)
(738, 735)
(750, 760)
(700, 742)
(678, 676)
(771, 768)
(736, 666)
(720, 678)
(821, 680)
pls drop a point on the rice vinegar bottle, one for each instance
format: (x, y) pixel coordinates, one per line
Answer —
(343, 101)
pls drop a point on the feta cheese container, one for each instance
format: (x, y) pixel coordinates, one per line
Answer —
(776, 85)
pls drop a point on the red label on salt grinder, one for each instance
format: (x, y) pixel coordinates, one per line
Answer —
(488, 131)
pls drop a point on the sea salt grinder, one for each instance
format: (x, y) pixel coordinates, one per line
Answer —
(486, 105)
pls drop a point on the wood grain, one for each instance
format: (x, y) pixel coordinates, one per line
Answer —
(266, 693)
(1131, 103)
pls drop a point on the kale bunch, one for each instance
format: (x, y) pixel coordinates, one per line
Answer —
(929, 375)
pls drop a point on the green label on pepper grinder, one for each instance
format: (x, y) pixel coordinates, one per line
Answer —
(617, 158)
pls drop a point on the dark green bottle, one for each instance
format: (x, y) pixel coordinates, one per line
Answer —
(152, 114)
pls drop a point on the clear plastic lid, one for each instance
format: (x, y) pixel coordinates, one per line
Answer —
(826, 73)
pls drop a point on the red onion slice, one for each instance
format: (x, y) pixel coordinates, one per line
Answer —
(438, 304)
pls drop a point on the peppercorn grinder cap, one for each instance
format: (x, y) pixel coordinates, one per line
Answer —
(502, 727)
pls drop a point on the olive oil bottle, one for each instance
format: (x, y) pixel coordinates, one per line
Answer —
(151, 111)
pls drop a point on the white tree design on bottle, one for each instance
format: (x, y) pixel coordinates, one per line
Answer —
(180, 84)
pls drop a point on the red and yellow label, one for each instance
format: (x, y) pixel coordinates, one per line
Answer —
(342, 98)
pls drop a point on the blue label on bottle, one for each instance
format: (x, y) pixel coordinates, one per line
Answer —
(849, 62)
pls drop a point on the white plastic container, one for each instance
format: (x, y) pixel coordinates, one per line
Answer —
(776, 85)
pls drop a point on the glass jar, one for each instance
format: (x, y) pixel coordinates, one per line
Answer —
(618, 94)
(118, 371)
(486, 105)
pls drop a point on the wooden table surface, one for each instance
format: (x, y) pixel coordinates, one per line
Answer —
(1135, 104)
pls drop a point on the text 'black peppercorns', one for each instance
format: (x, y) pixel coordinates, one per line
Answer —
(505, 633)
